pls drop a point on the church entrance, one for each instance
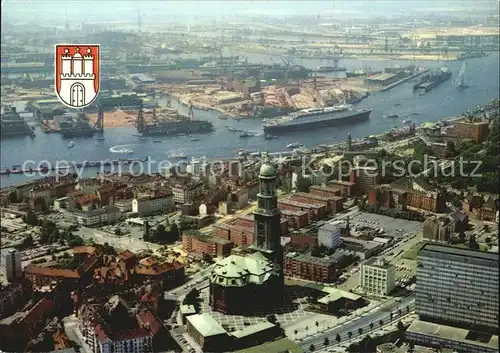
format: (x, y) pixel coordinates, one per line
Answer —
(77, 95)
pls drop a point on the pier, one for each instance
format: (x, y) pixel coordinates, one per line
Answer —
(392, 85)
(17, 169)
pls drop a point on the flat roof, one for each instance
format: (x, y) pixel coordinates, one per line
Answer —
(378, 262)
(452, 250)
(449, 333)
(206, 325)
(252, 329)
(279, 346)
(335, 294)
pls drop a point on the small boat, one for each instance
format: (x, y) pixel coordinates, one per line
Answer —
(294, 145)
(71, 144)
(16, 166)
(407, 121)
(397, 104)
(222, 117)
(246, 134)
(137, 134)
(392, 116)
(194, 140)
(234, 130)
(270, 137)
(178, 156)
(243, 153)
(415, 113)
(156, 141)
(100, 138)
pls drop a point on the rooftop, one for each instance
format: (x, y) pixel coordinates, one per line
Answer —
(449, 333)
(206, 325)
(279, 346)
(452, 250)
(322, 261)
(378, 262)
(252, 329)
(335, 294)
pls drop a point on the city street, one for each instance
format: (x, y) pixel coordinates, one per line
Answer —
(363, 322)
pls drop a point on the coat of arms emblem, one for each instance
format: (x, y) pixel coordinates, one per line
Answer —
(77, 74)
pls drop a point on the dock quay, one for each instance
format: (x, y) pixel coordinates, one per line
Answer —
(392, 85)
(17, 169)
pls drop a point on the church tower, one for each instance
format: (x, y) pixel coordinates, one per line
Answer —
(267, 217)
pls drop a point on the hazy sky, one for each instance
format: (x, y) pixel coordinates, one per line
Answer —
(127, 9)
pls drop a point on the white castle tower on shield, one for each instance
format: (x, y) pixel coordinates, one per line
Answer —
(77, 78)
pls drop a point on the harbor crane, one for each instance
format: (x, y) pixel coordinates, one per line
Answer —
(288, 66)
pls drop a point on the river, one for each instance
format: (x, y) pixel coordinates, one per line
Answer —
(444, 101)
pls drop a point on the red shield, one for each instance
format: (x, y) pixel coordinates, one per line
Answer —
(77, 74)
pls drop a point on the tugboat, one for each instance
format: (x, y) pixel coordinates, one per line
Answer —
(178, 156)
(246, 134)
(294, 145)
(270, 137)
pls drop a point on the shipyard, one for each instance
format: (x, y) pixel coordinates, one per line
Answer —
(249, 177)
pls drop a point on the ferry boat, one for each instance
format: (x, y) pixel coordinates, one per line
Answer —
(316, 118)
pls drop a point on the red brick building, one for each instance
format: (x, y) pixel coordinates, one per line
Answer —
(17, 330)
(346, 187)
(296, 220)
(481, 207)
(311, 268)
(325, 191)
(474, 130)
(196, 243)
(315, 212)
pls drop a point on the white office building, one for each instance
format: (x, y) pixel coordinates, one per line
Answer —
(329, 236)
(11, 264)
(149, 205)
(377, 277)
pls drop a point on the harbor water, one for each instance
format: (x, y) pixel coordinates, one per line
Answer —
(443, 101)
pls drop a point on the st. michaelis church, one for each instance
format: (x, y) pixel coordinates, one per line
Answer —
(254, 283)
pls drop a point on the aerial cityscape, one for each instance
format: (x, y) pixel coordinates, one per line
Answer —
(249, 176)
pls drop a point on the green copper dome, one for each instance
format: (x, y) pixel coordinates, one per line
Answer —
(267, 170)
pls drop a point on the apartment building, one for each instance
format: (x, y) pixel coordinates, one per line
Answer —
(458, 287)
(311, 268)
(196, 243)
(188, 192)
(155, 204)
(474, 130)
(377, 277)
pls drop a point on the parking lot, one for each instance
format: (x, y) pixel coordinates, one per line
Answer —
(397, 228)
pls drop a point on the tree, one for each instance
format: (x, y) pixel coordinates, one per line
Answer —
(349, 334)
(118, 231)
(401, 326)
(312, 348)
(381, 323)
(296, 332)
(391, 315)
(371, 325)
(337, 338)
(27, 242)
(472, 242)
(360, 331)
(303, 184)
(407, 309)
(400, 312)
(326, 341)
(30, 218)
(317, 325)
(146, 236)
(207, 257)
(272, 318)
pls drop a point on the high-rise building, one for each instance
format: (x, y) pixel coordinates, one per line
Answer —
(254, 283)
(11, 264)
(458, 287)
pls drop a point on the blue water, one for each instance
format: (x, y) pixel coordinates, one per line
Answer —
(444, 101)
